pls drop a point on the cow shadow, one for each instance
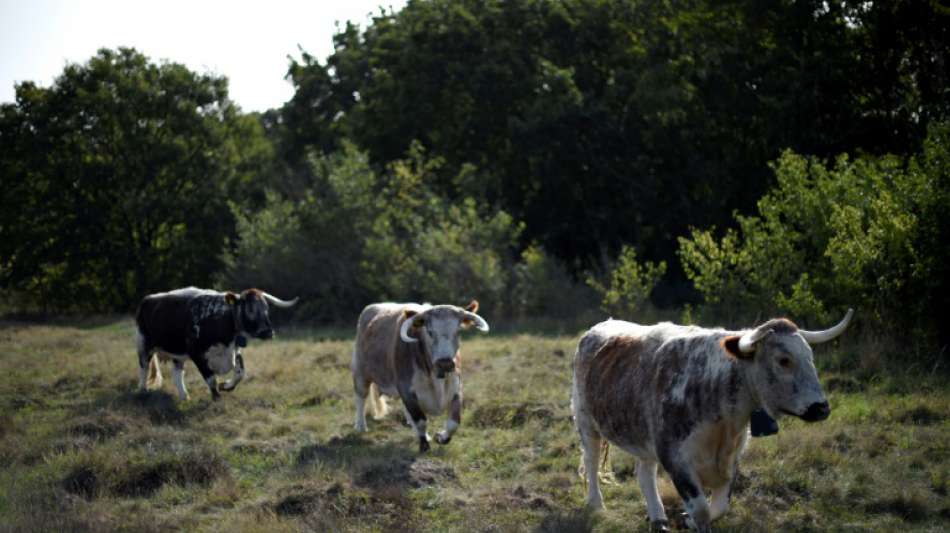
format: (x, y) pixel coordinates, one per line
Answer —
(156, 406)
(376, 466)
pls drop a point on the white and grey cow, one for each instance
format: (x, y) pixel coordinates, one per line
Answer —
(682, 397)
(412, 351)
(206, 326)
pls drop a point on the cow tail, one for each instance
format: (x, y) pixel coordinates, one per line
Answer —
(377, 404)
(154, 373)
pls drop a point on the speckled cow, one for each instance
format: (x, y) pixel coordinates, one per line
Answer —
(206, 326)
(682, 396)
(412, 350)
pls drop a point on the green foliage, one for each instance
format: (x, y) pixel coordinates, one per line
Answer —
(358, 236)
(113, 182)
(584, 113)
(542, 287)
(864, 233)
(629, 284)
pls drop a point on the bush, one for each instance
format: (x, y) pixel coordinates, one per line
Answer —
(358, 236)
(629, 284)
(542, 287)
(869, 233)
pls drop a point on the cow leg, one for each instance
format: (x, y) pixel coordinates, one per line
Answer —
(719, 501)
(230, 384)
(646, 476)
(455, 412)
(418, 420)
(143, 353)
(361, 388)
(691, 491)
(208, 376)
(178, 371)
(452, 424)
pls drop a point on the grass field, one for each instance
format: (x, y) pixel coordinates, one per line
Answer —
(81, 450)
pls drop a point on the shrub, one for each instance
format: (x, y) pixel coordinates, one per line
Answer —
(868, 233)
(629, 284)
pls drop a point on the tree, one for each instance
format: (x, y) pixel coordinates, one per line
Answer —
(115, 181)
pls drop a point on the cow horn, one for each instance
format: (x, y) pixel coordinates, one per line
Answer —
(404, 330)
(818, 337)
(273, 300)
(480, 323)
(747, 341)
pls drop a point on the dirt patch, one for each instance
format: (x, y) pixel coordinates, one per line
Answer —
(328, 507)
(320, 399)
(411, 472)
(328, 361)
(511, 416)
(334, 451)
(522, 498)
(82, 481)
(143, 479)
(303, 500)
(921, 415)
(101, 426)
(910, 507)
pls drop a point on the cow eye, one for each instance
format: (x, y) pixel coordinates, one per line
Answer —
(785, 362)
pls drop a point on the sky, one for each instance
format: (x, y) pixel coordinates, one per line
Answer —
(246, 41)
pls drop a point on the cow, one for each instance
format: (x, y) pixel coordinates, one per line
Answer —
(682, 397)
(206, 326)
(412, 351)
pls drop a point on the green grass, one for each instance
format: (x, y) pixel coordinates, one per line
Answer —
(80, 450)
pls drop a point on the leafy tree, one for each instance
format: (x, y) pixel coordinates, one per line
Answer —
(358, 236)
(600, 123)
(115, 181)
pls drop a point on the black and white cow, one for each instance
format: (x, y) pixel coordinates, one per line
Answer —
(683, 396)
(208, 327)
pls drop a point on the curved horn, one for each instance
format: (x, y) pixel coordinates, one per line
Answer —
(747, 341)
(273, 300)
(480, 323)
(404, 330)
(818, 337)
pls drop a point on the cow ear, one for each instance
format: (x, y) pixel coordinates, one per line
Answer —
(731, 345)
(472, 306)
(231, 298)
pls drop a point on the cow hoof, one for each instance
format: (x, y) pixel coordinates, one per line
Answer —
(443, 437)
(660, 525)
(423, 444)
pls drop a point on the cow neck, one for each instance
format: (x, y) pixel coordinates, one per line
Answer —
(755, 401)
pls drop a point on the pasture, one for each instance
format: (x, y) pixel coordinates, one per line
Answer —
(81, 450)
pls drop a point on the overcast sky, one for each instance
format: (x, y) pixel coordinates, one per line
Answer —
(246, 41)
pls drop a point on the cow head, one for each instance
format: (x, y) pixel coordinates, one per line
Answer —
(781, 369)
(251, 311)
(438, 330)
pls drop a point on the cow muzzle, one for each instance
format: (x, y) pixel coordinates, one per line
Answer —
(444, 366)
(816, 412)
